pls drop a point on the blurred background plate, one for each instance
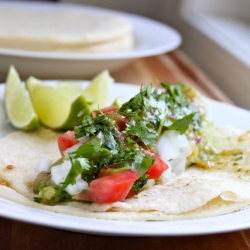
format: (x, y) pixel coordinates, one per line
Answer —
(151, 37)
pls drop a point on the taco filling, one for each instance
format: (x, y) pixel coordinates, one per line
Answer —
(116, 153)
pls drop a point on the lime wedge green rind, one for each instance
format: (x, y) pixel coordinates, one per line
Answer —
(96, 93)
(58, 108)
(79, 108)
(18, 106)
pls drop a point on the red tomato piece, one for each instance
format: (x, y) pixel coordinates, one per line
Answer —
(109, 109)
(66, 140)
(112, 113)
(105, 110)
(111, 188)
(158, 167)
(104, 171)
(119, 119)
(131, 194)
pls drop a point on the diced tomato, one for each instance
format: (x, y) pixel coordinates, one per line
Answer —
(109, 109)
(112, 113)
(104, 171)
(66, 140)
(110, 188)
(158, 167)
(131, 194)
(105, 110)
(119, 119)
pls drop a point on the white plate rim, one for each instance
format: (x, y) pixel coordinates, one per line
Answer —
(137, 21)
(218, 224)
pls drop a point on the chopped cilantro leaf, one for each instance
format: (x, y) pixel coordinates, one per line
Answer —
(139, 184)
(152, 110)
(182, 124)
(142, 163)
(133, 105)
(77, 168)
(93, 125)
(110, 140)
(89, 148)
(141, 130)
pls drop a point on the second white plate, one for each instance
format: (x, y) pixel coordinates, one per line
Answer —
(152, 38)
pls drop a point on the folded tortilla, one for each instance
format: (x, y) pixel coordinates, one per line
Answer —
(198, 192)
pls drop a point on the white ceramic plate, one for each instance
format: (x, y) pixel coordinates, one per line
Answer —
(152, 38)
(219, 113)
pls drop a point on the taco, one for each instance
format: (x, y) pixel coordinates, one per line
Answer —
(157, 157)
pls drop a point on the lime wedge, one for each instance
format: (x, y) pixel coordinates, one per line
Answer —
(75, 88)
(63, 106)
(57, 108)
(32, 83)
(119, 101)
(98, 90)
(96, 93)
(18, 106)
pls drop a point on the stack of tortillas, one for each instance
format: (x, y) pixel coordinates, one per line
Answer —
(64, 31)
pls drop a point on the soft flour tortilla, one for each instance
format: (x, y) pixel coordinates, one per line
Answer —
(20, 152)
(196, 193)
(60, 30)
(123, 43)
